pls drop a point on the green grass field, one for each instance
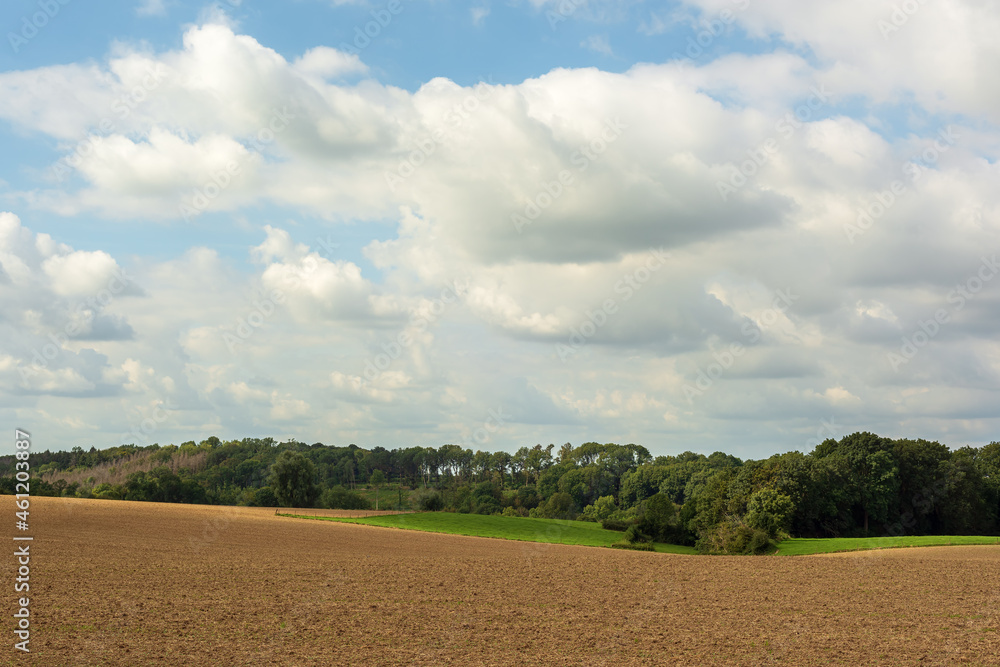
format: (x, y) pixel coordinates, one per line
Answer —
(556, 531)
(389, 497)
(550, 531)
(806, 546)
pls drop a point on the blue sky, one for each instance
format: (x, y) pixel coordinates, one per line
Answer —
(342, 284)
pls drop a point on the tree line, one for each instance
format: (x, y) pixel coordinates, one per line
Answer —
(861, 485)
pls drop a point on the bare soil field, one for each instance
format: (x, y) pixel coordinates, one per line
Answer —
(121, 583)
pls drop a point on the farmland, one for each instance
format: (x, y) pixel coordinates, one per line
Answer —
(124, 583)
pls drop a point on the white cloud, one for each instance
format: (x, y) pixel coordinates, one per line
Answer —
(327, 63)
(933, 54)
(151, 8)
(479, 14)
(598, 44)
(602, 168)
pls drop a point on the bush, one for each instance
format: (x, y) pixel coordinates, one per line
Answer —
(635, 546)
(339, 498)
(615, 524)
(487, 505)
(559, 506)
(108, 492)
(659, 518)
(733, 536)
(527, 498)
(602, 509)
(264, 497)
(427, 500)
(634, 535)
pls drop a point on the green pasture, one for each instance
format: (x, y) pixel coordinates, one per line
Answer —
(548, 531)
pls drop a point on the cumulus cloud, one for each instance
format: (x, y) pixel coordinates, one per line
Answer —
(674, 253)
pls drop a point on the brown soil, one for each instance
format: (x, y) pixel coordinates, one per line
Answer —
(118, 583)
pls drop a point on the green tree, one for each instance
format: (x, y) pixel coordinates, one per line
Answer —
(770, 511)
(874, 471)
(659, 518)
(293, 480)
(339, 498)
(377, 479)
(559, 506)
(602, 508)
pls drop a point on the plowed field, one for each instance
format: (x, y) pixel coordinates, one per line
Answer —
(121, 583)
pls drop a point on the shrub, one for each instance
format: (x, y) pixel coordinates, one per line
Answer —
(733, 536)
(602, 509)
(559, 506)
(615, 524)
(527, 498)
(427, 500)
(659, 517)
(339, 498)
(264, 497)
(487, 505)
(635, 546)
(634, 535)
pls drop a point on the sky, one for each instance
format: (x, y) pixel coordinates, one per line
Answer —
(736, 225)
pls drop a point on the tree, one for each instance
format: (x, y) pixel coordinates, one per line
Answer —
(519, 463)
(293, 480)
(559, 506)
(874, 471)
(770, 511)
(641, 483)
(339, 498)
(602, 508)
(501, 462)
(659, 518)
(377, 479)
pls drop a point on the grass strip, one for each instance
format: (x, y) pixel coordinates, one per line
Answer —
(809, 546)
(546, 531)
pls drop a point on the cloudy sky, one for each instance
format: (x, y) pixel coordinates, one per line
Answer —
(738, 225)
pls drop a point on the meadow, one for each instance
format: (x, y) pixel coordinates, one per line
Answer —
(545, 531)
(807, 546)
(585, 533)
